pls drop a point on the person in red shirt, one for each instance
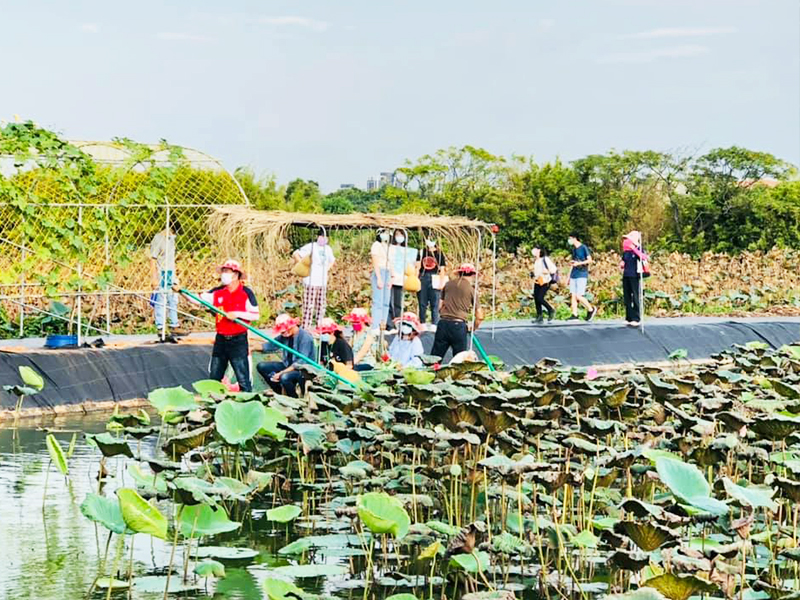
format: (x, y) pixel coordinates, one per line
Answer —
(236, 301)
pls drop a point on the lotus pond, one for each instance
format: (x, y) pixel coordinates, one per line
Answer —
(460, 483)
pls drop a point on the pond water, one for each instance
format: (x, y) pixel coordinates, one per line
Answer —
(50, 551)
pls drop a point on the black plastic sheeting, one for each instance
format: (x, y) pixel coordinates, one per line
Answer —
(81, 375)
(587, 344)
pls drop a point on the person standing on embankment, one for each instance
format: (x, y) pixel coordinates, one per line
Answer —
(455, 315)
(579, 278)
(236, 301)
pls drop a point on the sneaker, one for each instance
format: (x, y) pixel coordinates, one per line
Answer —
(633, 323)
(574, 318)
(538, 321)
(551, 317)
(178, 330)
(590, 315)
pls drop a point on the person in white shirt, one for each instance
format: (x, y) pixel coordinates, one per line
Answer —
(315, 286)
(162, 272)
(382, 257)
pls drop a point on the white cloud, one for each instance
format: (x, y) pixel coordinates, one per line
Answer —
(90, 28)
(646, 56)
(294, 21)
(675, 32)
(179, 36)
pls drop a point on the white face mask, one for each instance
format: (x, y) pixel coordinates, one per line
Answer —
(330, 338)
(399, 239)
(430, 244)
(384, 237)
(406, 329)
(226, 278)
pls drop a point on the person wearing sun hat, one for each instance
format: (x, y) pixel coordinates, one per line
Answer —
(406, 347)
(633, 266)
(236, 301)
(282, 376)
(364, 341)
(459, 298)
(334, 346)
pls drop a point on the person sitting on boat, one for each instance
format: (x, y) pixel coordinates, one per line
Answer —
(406, 347)
(333, 345)
(364, 341)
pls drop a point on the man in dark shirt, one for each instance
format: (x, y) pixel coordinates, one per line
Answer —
(431, 271)
(455, 322)
(579, 278)
(282, 376)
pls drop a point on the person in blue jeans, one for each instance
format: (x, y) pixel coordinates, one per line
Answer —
(382, 256)
(579, 278)
(162, 269)
(282, 376)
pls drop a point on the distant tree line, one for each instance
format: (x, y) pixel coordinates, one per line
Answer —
(727, 200)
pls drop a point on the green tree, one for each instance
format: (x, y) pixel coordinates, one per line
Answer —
(263, 192)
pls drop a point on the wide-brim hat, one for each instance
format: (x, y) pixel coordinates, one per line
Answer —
(233, 265)
(634, 236)
(410, 319)
(358, 315)
(327, 325)
(467, 269)
(283, 323)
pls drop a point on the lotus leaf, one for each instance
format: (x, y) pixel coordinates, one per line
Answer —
(278, 589)
(646, 536)
(239, 422)
(687, 483)
(309, 571)
(56, 453)
(209, 568)
(105, 511)
(179, 445)
(201, 520)
(174, 399)
(284, 514)
(206, 387)
(226, 553)
(751, 496)
(31, 378)
(471, 563)
(109, 445)
(382, 513)
(140, 516)
(680, 587)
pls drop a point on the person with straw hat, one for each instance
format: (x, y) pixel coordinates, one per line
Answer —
(459, 298)
(364, 341)
(634, 265)
(334, 346)
(406, 347)
(282, 376)
(236, 301)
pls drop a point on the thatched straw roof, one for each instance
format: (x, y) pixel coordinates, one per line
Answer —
(268, 231)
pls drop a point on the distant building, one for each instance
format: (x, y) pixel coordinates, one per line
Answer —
(347, 186)
(372, 184)
(387, 178)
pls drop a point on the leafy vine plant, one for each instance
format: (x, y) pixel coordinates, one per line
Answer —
(63, 207)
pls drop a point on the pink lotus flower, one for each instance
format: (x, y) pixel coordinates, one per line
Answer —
(592, 374)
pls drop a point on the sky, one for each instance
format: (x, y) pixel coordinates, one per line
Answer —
(340, 90)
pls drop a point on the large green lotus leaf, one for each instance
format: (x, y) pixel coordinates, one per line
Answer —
(200, 520)
(109, 445)
(235, 487)
(174, 399)
(209, 568)
(56, 453)
(468, 562)
(206, 387)
(757, 497)
(140, 516)
(418, 377)
(786, 390)
(114, 584)
(105, 511)
(315, 570)
(647, 536)
(148, 481)
(311, 436)
(284, 514)
(680, 587)
(687, 483)
(226, 553)
(278, 589)
(382, 513)
(238, 422)
(31, 378)
(271, 425)
(643, 593)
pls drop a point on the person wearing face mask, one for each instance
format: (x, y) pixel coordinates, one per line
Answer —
(365, 343)
(236, 301)
(315, 286)
(398, 277)
(334, 346)
(282, 376)
(406, 347)
(382, 255)
(431, 275)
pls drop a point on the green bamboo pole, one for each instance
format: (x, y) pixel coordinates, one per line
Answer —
(482, 352)
(310, 361)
